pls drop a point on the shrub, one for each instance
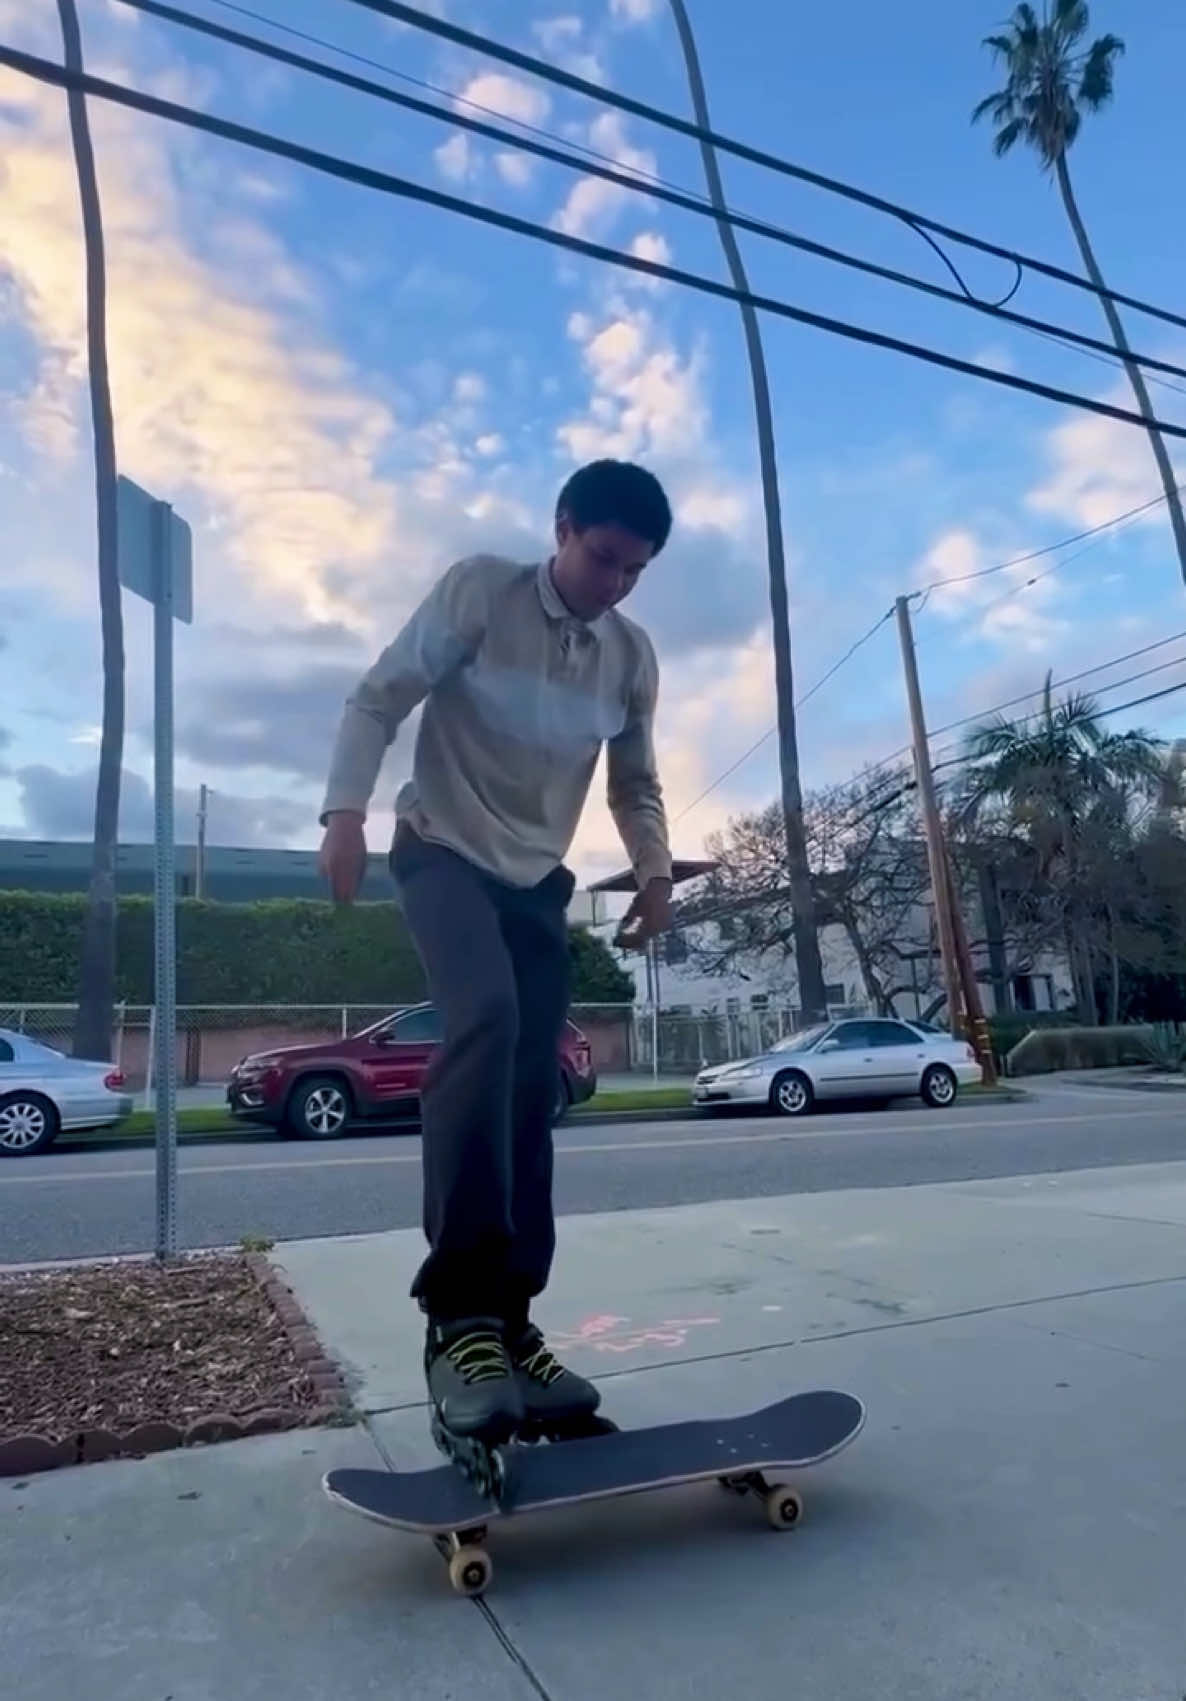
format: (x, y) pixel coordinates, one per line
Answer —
(274, 951)
(1048, 1049)
(1007, 1031)
(1165, 1048)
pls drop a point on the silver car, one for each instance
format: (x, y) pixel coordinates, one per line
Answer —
(43, 1091)
(871, 1058)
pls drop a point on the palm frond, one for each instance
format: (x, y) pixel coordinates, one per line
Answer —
(1000, 106)
(1008, 136)
(1070, 20)
(1098, 80)
(1002, 45)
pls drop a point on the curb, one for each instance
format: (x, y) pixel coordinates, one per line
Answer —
(25, 1455)
(261, 1135)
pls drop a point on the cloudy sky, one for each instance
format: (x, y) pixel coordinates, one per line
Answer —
(343, 392)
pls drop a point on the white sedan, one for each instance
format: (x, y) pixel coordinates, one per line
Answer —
(43, 1091)
(870, 1058)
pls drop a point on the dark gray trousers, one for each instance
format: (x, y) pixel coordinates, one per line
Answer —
(497, 964)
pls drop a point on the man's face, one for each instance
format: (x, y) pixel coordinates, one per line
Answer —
(595, 569)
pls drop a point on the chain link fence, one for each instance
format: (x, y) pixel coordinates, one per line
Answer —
(625, 1039)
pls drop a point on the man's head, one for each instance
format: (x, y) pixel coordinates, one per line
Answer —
(611, 519)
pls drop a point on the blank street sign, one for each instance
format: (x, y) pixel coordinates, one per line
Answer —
(136, 519)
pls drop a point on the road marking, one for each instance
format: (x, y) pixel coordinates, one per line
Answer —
(782, 1135)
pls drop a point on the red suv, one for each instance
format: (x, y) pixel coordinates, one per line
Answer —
(317, 1091)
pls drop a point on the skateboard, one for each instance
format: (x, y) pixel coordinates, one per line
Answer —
(743, 1453)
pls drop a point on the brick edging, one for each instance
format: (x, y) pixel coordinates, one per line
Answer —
(334, 1399)
(22, 1455)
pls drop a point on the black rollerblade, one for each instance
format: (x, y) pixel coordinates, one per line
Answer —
(558, 1404)
(475, 1397)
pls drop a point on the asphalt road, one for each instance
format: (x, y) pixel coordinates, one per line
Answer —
(78, 1204)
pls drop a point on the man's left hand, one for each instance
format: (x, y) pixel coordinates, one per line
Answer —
(648, 916)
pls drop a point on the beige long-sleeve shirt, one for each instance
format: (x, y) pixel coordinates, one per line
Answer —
(519, 697)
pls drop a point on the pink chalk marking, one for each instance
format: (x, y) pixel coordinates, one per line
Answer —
(605, 1334)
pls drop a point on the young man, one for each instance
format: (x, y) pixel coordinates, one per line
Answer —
(524, 673)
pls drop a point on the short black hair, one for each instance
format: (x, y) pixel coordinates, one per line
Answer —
(617, 493)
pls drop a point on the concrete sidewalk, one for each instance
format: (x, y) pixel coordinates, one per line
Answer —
(1012, 1523)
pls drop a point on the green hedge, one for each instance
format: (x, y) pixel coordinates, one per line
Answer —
(279, 951)
(1049, 1049)
(1009, 1030)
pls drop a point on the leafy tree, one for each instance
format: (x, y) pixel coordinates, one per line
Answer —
(1068, 785)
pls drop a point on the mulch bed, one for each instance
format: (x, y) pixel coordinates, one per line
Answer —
(130, 1357)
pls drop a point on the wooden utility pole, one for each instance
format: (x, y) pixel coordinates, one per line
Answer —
(932, 828)
(804, 926)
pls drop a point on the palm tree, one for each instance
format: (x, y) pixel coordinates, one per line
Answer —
(1064, 778)
(809, 967)
(96, 979)
(1052, 80)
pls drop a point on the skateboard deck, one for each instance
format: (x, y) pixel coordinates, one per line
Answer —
(740, 1452)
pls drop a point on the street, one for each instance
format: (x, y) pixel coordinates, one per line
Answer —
(79, 1204)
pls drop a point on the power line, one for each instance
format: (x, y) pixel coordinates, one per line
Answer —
(770, 731)
(1047, 549)
(492, 49)
(574, 146)
(1092, 533)
(368, 177)
(612, 172)
(1056, 685)
(1057, 566)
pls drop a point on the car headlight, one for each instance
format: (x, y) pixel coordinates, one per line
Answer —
(743, 1072)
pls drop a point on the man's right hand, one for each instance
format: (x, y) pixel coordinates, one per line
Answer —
(344, 855)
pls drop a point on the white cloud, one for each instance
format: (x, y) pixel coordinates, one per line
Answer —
(490, 444)
(633, 11)
(515, 169)
(648, 245)
(510, 97)
(1013, 607)
(592, 203)
(264, 436)
(646, 399)
(1100, 468)
(469, 387)
(562, 39)
(555, 35)
(456, 158)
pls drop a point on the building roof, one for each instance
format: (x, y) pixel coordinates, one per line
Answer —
(231, 875)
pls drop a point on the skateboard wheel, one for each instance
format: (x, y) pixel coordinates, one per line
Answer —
(470, 1570)
(784, 1507)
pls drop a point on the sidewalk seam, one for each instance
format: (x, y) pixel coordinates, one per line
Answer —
(844, 1334)
(501, 1635)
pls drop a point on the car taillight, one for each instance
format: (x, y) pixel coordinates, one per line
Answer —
(114, 1079)
(970, 1054)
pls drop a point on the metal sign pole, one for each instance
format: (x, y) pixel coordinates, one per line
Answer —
(165, 888)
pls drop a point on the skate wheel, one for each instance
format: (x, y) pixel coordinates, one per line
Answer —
(470, 1571)
(784, 1507)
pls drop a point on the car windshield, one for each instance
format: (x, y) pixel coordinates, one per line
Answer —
(802, 1041)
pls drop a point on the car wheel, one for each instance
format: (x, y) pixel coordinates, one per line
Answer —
(791, 1094)
(563, 1101)
(28, 1124)
(939, 1087)
(320, 1108)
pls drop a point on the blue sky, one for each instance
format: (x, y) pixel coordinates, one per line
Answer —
(343, 392)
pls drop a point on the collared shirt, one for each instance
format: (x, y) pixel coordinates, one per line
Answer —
(519, 697)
